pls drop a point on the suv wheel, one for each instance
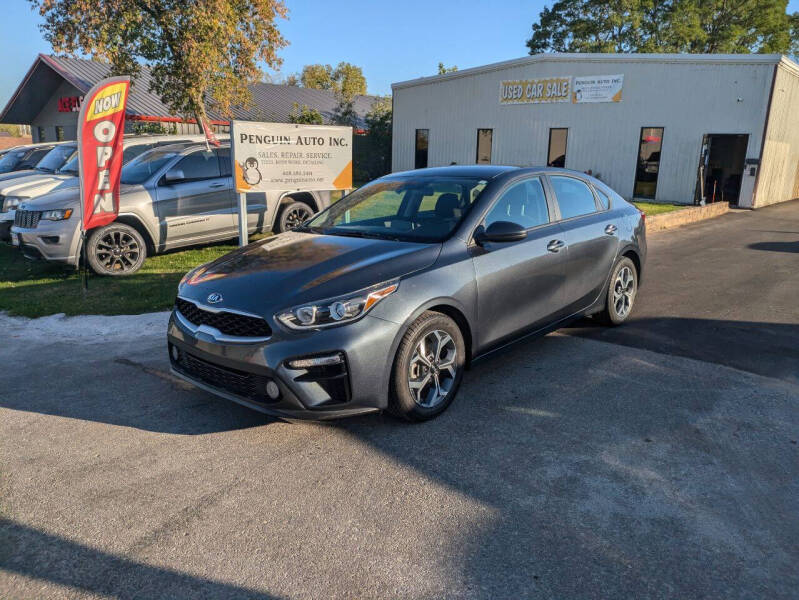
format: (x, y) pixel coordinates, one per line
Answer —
(293, 214)
(621, 293)
(115, 249)
(428, 368)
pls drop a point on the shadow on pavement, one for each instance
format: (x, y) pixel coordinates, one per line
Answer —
(25, 550)
(790, 247)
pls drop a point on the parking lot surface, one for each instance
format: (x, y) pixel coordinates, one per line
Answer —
(723, 290)
(567, 468)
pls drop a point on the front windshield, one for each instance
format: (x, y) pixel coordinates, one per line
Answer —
(10, 160)
(424, 209)
(56, 158)
(141, 168)
(71, 166)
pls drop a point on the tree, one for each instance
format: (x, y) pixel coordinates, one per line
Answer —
(318, 77)
(696, 26)
(199, 51)
(305, 115)
(346, 79)
(442, 69)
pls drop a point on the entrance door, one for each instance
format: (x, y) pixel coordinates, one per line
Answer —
(721, 168)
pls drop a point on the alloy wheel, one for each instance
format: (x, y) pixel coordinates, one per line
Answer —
(624, 291)
(117, 251)
(296, 217)
(432, 371)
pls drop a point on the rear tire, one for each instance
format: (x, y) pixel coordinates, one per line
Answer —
(428, 368)
(621, 293)
(293, 214)
(115, 250)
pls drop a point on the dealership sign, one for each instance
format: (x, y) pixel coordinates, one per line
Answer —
(285, 156)
(597, 88)
(535, 91)
(69, 103)
(577, 90)
(101, 125)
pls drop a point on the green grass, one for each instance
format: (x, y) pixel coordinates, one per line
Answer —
(656, 208)
(37, 288)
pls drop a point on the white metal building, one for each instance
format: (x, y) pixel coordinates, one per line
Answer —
(663, 127)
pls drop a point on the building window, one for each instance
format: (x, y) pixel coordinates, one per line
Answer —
(59, 133)
(422, 139)
(557, 147)
(484, 138)
(40, 134)
(648, 165)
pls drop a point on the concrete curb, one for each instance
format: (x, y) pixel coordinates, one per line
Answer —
(681, 217)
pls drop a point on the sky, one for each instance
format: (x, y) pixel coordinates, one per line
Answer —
(391, 41)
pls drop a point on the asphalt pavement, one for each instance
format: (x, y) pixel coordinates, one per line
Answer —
(567, 467)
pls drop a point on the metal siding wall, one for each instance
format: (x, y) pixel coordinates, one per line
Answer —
(687, 99)
(49, 116)
(779, 175)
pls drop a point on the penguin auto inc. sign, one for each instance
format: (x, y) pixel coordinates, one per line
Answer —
(285, 156)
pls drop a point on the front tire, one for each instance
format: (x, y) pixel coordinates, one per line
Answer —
(115, 250)
(428, 368)
(293, 214)
(621, 293)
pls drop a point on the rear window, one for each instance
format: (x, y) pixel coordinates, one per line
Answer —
(574, 197)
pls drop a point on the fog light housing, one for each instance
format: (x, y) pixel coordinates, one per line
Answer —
(174, 353)
(272, 390)
(310, 362)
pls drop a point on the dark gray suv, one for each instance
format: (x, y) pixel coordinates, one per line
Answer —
(382, 300)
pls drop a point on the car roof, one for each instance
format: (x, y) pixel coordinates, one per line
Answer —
(481, 171)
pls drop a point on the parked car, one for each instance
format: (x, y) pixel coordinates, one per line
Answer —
(172, 196)
(23, 158)
(42, 180)
(382, 300)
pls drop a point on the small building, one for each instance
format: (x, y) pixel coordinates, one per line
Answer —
(48, 100)
(659, 127)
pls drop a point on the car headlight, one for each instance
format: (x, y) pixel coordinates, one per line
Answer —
(336, 311)
(12, 202)
(57, 215)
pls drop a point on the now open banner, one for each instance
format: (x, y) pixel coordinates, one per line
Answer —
(101, 126)
(286, 156)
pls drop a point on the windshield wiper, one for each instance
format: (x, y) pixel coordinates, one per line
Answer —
(360, 234)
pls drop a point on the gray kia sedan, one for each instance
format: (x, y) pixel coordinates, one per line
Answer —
(382, 300)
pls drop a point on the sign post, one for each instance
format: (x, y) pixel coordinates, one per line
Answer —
(288, 157)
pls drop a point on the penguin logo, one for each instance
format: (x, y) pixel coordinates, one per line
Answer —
(251, 173)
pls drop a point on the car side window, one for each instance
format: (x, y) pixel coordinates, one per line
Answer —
(574, 197)
(524, 203)
(224, 161)
(199, 165)
(604, 199)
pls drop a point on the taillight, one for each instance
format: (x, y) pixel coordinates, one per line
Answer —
(643, 216)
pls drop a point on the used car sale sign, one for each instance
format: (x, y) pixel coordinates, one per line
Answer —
(101, 126)
(286, 156)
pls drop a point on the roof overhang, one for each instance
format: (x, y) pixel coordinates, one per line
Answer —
(28, 100)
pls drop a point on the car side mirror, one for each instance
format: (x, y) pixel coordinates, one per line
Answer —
(174, 176)
(501, 231)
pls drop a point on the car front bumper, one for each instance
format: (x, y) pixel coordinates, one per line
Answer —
(56, 241)
(6, 221)
(241, 371)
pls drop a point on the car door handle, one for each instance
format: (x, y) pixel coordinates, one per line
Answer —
(555, 246)
(611, 229)
(216, 185)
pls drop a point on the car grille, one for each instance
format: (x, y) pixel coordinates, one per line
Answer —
(227, 323)
(27, 219)
(246, 385)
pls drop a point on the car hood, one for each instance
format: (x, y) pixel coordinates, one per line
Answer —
(66, 198)
(67, 195)
(32, 185)
(295, 268)
(16, 174)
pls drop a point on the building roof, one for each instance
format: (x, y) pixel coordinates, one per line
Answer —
(751, 59)
(270, 102)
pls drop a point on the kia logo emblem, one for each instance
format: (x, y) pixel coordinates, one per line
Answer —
(214, 298)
